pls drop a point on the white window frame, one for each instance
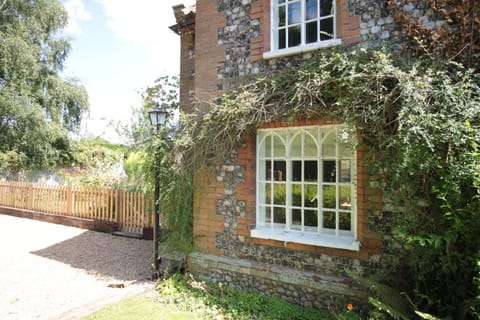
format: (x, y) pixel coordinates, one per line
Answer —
(324, 237)
(303, 47)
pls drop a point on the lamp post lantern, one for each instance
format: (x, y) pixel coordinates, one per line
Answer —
(157, 118)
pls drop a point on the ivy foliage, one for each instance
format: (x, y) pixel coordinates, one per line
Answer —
(151, 162)
(419, 122)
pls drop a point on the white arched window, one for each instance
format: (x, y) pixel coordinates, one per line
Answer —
(306, 186)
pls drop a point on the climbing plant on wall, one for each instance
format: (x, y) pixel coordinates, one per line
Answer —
(453, 33)
(419, 121)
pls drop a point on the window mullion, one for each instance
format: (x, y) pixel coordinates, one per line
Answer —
(287, 24)
(302, 178)
(288, 209)
(303, 28)
(319, 181)
(334, 4)
(337, 186)
(272, 181)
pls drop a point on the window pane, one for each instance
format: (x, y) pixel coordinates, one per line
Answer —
(296, 171)
(329, 144)
(312, 32)
(296, 219)
(345, 221)
(329, 197)
(278, 147)
(311, 171)
(294, 13)
(311, 196)
(310, 149)
(345, 171)
(266, 147)
(279, 170)
(312, 9)
(311, 219)
(279, 194)
(329, 220)
(281, 1)
(268, 170)
(279, 215)
(267, 187)
(294, 36)
(297, 195)
(345, 150)
(282, 42)
(326, 29)
(345, 197)
(268, 214)
(296, 146)
(326, 7)
(281, 16)
(329, 170)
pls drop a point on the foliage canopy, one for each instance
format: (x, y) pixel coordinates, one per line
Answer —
(37, 106)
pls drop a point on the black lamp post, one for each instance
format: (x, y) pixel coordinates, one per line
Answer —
(157, 119)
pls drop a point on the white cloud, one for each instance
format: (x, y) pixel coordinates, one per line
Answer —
(145, 23)
(76, 13)
(141, 21)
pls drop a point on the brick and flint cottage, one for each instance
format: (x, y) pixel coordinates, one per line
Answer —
(327, 218)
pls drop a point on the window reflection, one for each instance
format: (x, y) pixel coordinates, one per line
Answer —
(279, 215)
(296, 171)
(345, 171)
(326, 29)
(329, 197)
(311, 11)
(345, 221)
(311, 171)
(296, 219)
(294, 13)
(326, 7)
(294, 36)
(329, 220)
(312, 32)
(311, 219)
(329, 171)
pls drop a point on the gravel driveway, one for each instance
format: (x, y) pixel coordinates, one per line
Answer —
(50, 271)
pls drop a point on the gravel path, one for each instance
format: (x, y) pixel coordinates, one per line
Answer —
(50, 271)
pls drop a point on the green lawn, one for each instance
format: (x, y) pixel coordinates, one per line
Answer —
(138, 308)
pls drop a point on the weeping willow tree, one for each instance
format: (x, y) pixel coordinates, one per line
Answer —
(37, 106)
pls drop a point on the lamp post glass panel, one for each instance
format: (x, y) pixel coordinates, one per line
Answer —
(157, 119)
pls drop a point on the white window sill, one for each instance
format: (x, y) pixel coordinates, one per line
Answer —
(301, 49)
(346, 243)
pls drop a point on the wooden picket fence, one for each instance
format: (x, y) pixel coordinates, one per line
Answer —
(131, 210)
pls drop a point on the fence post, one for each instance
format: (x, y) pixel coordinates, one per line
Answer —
(30, 197)
(117, 208)
(69, 200)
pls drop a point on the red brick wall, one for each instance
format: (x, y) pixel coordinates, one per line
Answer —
(187, 66)
(348, 27)
(208, 54)
(206, 223)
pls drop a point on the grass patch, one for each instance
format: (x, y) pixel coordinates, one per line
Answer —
(138, 308)
(183, 297)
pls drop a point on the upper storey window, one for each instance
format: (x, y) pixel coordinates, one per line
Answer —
(301, 25)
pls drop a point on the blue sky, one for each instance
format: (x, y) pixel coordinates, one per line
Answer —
(119, 47)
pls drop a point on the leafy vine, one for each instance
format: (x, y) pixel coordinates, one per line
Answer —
(420, 122)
